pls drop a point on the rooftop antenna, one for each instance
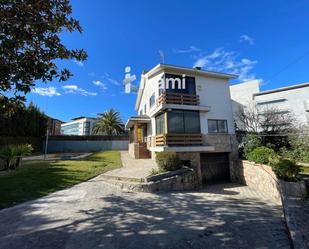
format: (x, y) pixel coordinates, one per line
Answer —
(161, 56)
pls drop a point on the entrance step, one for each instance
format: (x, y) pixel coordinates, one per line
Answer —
(122, 178)
(127, 186)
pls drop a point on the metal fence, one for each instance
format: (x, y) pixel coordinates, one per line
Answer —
(64, 144)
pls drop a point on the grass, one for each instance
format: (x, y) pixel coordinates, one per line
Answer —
(39, 178)
(304, 169)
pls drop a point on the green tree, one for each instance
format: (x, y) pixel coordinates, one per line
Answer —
(108, 123)
(30, 45)
(24, 121)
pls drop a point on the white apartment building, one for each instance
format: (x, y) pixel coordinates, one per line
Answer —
(293, 99)
(81, 126)
(195, 121)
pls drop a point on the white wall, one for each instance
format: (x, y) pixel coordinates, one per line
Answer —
(151, 86)
(215, 93)
(294, 102)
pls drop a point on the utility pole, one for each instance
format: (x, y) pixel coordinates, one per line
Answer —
(46, 143)
(46, 138)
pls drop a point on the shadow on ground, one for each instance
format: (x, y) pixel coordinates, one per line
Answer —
(219, 216)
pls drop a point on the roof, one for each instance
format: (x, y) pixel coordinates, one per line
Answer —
(282, 89)
(177, 69)
(81, 117)
(141, 119)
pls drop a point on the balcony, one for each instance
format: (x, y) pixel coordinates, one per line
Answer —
(178, 99)
(179, 140)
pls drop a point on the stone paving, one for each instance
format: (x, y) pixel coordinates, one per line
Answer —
(133, 168)
(95, 215)
(297, 212)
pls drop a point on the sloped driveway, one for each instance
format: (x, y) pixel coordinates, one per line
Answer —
(96, 215)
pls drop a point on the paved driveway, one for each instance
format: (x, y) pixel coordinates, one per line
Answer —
(95, 215)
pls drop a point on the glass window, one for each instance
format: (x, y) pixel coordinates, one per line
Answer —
(217, 126)
(178, 80)
(183, 122)
(175, 122)
(160, 124)
(192, 122)
(145, 110)
(222, 126)
(152, 100)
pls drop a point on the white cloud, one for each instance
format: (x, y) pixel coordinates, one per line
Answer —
(228, 62)
(79, 63)
(100, 84)
(246, 38)
(115, 82)
(191, 49)
(107, 77)
(46, 91)
(77, 90)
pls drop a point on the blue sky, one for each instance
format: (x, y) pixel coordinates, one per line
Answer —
(265, 40)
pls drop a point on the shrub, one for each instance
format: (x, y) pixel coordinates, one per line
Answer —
(286, 169)
(11, 155)
(168, 161)
(299, 148)
(251, 142)
(261, 155)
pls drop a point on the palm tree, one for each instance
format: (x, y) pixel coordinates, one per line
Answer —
(109, 123)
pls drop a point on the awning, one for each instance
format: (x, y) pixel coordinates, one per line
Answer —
(141, 119)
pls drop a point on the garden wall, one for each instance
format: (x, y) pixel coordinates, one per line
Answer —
(64, 144)
(263, 179)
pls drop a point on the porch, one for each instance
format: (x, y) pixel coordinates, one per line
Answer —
(137, 126)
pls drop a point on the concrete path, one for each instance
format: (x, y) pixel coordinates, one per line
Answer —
(133, 168)
(95, 215)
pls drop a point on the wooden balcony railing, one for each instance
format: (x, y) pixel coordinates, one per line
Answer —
(178, 99)
(178, 139)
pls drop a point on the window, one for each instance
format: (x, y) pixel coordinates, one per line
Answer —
(152, 100)
(160, 124)
(217, 126)
(274, 101)
(178, 79)
(145, 109)
(183, 122)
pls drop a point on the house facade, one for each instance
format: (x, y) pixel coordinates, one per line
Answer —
(188, 111)
(81, 126)
(54, 126)
(292, 99)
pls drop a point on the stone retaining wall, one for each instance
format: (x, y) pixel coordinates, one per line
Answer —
(261, 178)
(184, 180)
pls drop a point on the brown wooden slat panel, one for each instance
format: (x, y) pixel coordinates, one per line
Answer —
(181, 139)
(178, 98)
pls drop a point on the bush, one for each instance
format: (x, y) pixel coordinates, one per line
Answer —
(261, 155)
(286, 169)
(299, 148)
(11, 155)
(251, 142)
(168, 161)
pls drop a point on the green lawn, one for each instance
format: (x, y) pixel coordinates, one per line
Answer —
(38, 178)
(304, 169)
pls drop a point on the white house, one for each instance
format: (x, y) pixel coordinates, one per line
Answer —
(293, 99)
(194, 119)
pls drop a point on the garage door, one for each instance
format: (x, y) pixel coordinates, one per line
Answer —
(215, 167)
